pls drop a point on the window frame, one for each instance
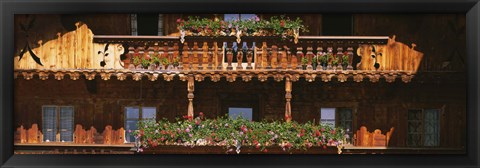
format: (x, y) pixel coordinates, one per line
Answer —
(140, 117)
(440, 112)
(58, 120)
(340, 105)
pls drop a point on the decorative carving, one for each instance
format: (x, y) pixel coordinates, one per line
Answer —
(168, 77)
(215, 77)
(137, 76)
(152, 77)
(358, 78)
(390, 78)
(229, 59)
(407, 78)
(239, 60)
(105, 75)
(190, 96)
(288, 98)
(246, 78)
(231, 77)
(299, 58)
(326, 77)
(309, 58)
(121, 76)
(278, 77)
(74, 75)
(89, 75)
(294, 77)
(342, 77)
(59, 75)
(43, 75)
(262, 77)
(182, 77)
(374, 78)
(249, 59)
(199, 77)
(310, 77)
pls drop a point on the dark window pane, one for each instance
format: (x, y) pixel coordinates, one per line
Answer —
(49, 123)
(66, 124)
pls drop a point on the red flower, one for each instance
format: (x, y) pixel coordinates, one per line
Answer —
(282, 23)
(324, 146)
(201, 114)
(265, 150)
(333, 131)
(179, 20)
(258, 146)
(317, 133)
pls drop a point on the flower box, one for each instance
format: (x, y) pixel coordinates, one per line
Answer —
(177, 149)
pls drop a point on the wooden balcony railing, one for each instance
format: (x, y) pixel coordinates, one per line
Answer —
(253, 53)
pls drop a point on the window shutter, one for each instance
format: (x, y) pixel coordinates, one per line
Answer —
(66, 124)
(49, 123)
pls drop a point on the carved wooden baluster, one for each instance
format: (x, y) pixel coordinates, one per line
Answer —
(249, 57)
(176, 56)
(196, 53)
(330, 52)
(279, 58)
(264, 58)
(131, 55)
(200, 58)
(170, 59)
(220, 56)
(258, 57)
(340, 57)
(289, 57)
(299, 57)
(165, 52)
(269, 58)
(151, 55)
(274, 57)
(210, 58)
(141, 55)
(184, 55)
(350, 58)
(229, 59)
(190, 59)
(239, 59)
(319, 58)
(309, 58)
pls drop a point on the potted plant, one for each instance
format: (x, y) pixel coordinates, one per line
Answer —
(314, 62)
(335, 63)
(176, 62)
(136, 62)
(324, 61)
(344, 62)
(304, 63)
(165, 63)
(145, 63)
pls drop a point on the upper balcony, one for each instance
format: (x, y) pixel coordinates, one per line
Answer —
(342, 58)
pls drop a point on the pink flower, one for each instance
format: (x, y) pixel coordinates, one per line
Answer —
(179, 20)
(187, 130)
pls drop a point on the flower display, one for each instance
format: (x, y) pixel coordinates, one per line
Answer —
(228, 132)
(280, 26)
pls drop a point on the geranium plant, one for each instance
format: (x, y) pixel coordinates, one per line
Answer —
(228, 132)
(277, 26)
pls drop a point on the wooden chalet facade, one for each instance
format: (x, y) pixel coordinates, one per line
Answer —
(81, 107)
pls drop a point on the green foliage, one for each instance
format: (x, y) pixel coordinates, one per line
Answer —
(225, 131)
(304, 61)
(335, 61)
(324, 58)
(345, 60)
(165, 61)
(136, 61)
(145, 63)
(155, 60)
(279, 26)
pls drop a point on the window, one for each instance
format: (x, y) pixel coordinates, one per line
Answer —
(243, 46)
(133, 115)
(338, 117)
(235, 112)
(423, 127)
(57, 119)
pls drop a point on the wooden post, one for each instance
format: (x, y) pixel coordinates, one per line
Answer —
(190, 89)
(288, 97)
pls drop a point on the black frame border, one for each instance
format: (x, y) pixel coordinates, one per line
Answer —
(10, 7)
